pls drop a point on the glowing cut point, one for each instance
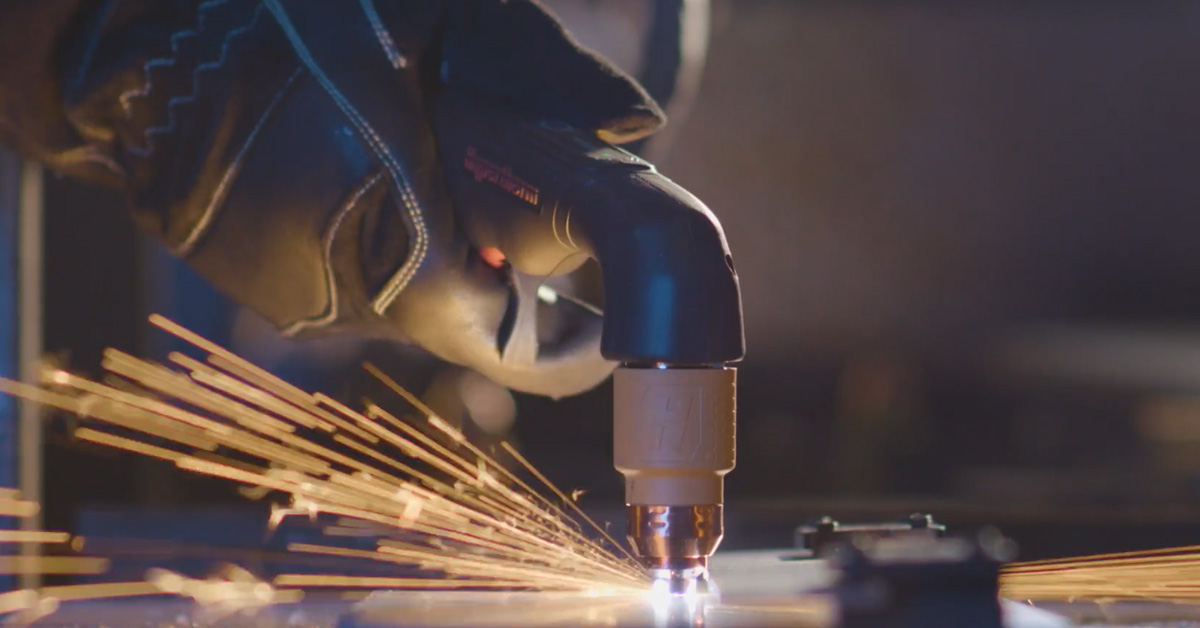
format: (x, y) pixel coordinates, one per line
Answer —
(678, 608)
(546, 294)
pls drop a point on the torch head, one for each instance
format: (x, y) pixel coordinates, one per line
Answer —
(674, 443)
(549, 195)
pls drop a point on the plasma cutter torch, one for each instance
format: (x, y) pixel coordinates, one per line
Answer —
(549, 197)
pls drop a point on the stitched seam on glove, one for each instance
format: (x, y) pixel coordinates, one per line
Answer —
(218, 196)
(331, 281)
(381, 33)
(176, 101)
(126, 98)
(421, 244)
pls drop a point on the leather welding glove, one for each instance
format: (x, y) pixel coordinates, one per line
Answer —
(283, 148)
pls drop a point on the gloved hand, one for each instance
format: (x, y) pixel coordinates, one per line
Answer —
(284, 149)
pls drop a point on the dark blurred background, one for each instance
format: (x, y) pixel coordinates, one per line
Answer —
(967, 239)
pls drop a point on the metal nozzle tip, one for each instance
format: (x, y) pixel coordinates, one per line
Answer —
(674, 543)
(681, 580)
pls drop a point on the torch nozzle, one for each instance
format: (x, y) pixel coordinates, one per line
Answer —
(674, 443)
(674, 542)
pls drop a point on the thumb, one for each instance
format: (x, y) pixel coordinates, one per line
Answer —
(516, 52)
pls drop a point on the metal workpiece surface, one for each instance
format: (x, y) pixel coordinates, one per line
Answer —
(764, 588)
(1126, 614)
(754, 589)
(470, 610)
(184, 613)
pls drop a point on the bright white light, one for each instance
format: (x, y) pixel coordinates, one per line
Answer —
(669, 607)
(546, 294)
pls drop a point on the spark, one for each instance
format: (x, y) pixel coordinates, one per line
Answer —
(1168, 575)
(52, 565)
(101, 591)
(373, 582)
(25, 606)
(13, 601)
(33, 536)
(432, 499)
(19, 508)
(233, 590)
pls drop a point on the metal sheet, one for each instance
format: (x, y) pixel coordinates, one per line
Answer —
(463, 608)
(756, 589)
